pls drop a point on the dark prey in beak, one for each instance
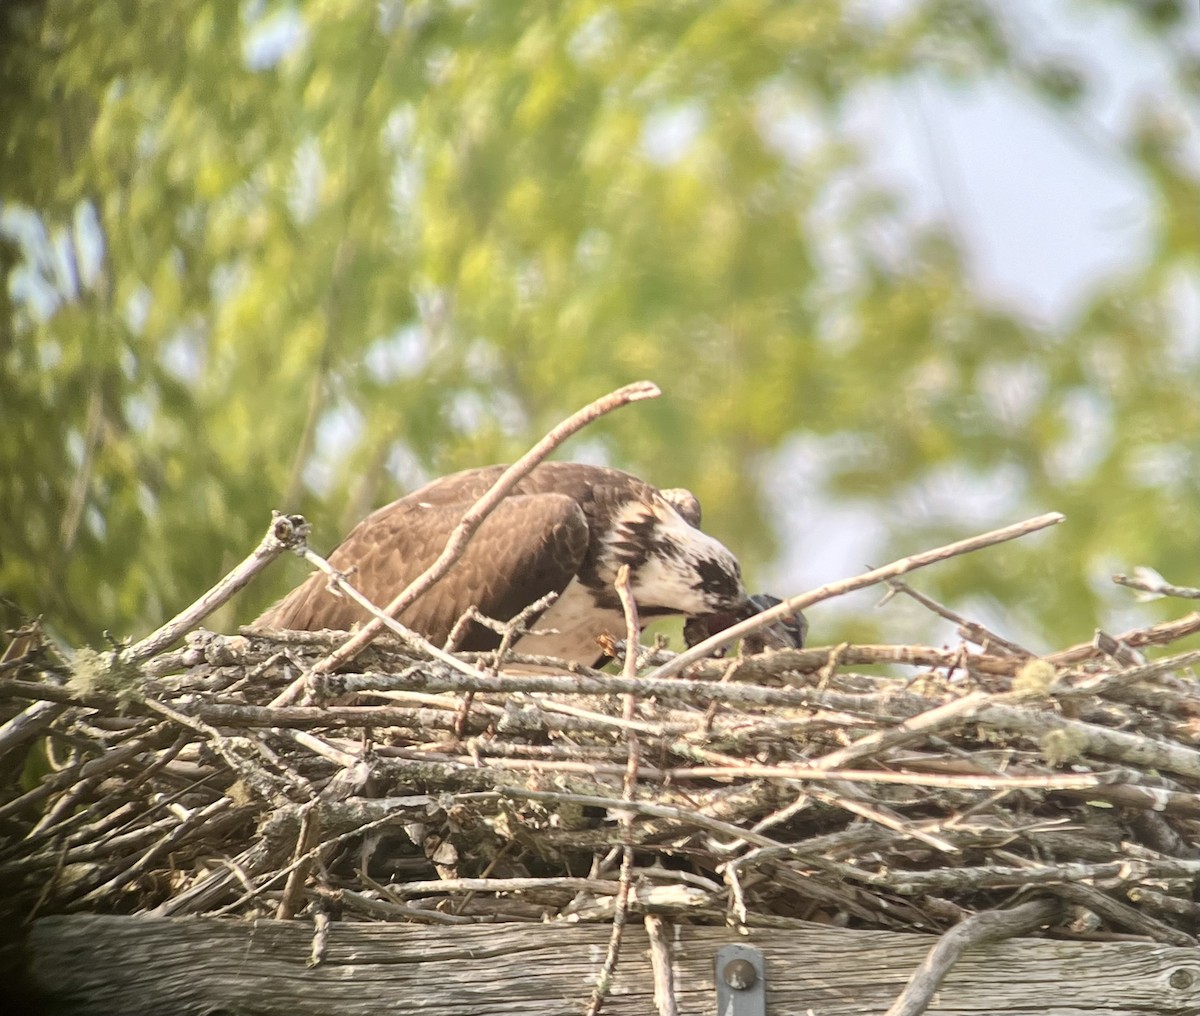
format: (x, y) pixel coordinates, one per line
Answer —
(788, 632)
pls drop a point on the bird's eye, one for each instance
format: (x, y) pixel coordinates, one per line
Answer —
(717, 580)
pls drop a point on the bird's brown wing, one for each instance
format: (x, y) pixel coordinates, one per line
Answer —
(530, 545)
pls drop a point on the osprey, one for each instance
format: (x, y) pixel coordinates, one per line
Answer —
(565, 528)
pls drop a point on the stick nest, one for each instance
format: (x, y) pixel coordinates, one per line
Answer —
(893, 787)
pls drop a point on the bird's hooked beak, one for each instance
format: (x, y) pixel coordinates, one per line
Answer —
(788, 632)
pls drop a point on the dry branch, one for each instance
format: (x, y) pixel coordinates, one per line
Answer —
(629, 703)
(984, 927)
(286, 532)
(1148, 581)
(903, 566)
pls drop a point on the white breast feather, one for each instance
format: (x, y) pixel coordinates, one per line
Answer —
(576, 622)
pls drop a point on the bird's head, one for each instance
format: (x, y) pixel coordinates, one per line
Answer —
(787, 632)
(674, 567)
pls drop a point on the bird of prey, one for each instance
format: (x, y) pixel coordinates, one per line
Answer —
(565, 528)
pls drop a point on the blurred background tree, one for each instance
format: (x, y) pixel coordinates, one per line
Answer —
(307, 255)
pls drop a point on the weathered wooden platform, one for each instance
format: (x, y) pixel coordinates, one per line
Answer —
(92, 965)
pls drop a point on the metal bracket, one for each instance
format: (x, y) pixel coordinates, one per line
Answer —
(741, 976)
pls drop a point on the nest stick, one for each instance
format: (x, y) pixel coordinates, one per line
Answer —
(660, 964)
(973, 630)
(870, 578)
(385, 620)
(986, 926)
(621, 911)
(1146, 581)
(286, 532)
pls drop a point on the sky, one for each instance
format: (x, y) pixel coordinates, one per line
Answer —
(1043, 212)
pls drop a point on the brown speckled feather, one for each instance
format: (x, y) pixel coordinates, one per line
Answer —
(533, 543)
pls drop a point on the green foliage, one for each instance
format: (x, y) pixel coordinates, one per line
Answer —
(302, 256)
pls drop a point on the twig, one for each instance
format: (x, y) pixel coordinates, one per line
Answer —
(1073, 683)
(1051, 781)
(92, 769)
(64, 816)
(270, 786)
(1157, 635)
(388, 910)
(819, 658)
(973, 630)
(255, 646)
(1092, 739)
(306, 838)
(344, 759)
(305, 858)
(597, 719)
(681, 690)
(286, 532)
(474, 516)
(542, 716)
(410, 637)
(509, 632)
(911, 729)
(804, 600)
(986, 926)
(135, 839)
(28, 725)
(684, 816)
(210, 888)
(632, 632)
(1147, 580)
(621, 912)
(853, 803)
(660, 966)
(1147, 897)
(914, 883)
(26, 644)
(1123, 915)
(1152, 800)
(320, 939)
(195, 820)
(427, 887)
